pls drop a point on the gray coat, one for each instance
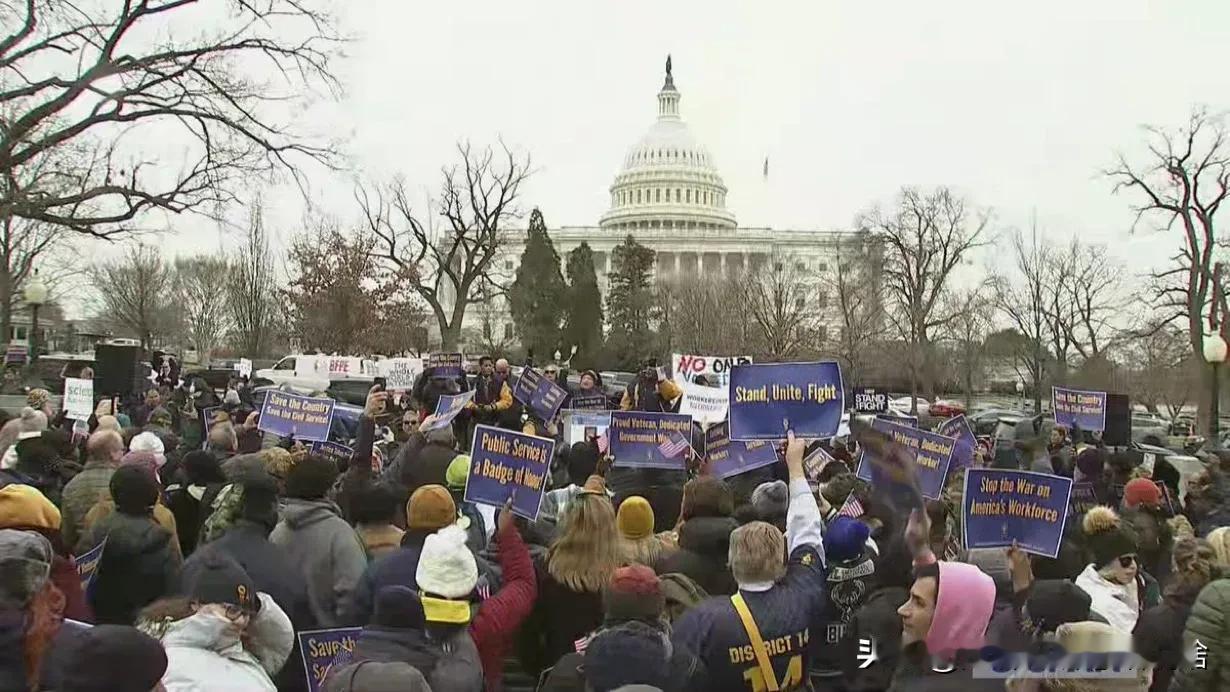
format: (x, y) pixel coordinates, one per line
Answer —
(327, 552)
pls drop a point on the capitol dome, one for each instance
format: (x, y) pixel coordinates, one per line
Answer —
(668, 180)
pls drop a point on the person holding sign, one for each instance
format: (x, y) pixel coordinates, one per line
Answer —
(492, 394)
(781, 595)
(652, 391)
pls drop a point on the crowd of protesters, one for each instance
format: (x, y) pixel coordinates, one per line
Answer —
(220, 544)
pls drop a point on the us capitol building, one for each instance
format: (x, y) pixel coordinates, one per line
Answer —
(670, 197)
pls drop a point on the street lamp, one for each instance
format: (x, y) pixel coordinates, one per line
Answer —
(1215, 355)
(36, 295)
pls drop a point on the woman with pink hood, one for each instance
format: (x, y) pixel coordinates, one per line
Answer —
(944, 621)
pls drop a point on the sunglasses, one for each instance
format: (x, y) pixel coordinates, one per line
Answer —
(552, 372)
(409, 423)
(1126, 561)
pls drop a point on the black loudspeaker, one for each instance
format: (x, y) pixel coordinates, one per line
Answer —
(1118, 431)
(115, 371)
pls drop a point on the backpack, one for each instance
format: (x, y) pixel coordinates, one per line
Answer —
(681, 594)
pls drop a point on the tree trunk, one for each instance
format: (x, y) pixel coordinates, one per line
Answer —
(6, 305)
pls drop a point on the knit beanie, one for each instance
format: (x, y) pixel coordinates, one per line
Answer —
(635, 518)
(134, 489)
(1089, 463)
(311, 478)
(1053, 602)
(33, 420)
(845, 539)
(277, 461)
(430, 508)
(213, 577)
(38, 398)
(458, 472)
(25, 565)
(149, 442)
(582, 460)
(1106, 536)
(627, 655)
(399, 607)
(446, 566)
(90, 664)
(202, 468)
(635, 593)
(25, 506)
(771, 500)
(1141, 491)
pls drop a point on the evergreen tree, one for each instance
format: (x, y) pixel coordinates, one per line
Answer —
(630, 306)
(583, 326)
(537, 296)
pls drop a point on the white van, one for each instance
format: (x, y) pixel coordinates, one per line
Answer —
(306, 373)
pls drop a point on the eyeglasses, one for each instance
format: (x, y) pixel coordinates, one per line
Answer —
(409, 423)
(1126, 561)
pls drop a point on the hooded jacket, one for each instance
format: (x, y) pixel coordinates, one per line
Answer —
(704, 544)
(328, 553)
(139, 565)
(79, 497)
(374, 676)
(202, 656)
(1159, 634)
(877, 620)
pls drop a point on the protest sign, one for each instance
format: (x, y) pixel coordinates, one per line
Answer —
(399, 373)
(333, 451)
(650, 440)
(766, 400)
(445, 364)
(908, 421)
(958, 427)
(930, 452)
(815, 462)
(730, 458)
(300, 417)
(1001, 506)
(594, 401)
(580, 426)
(87, 565)
(714, 369)
(447, 409)
(322, 649)
(506, 464)
(209, 417)
(244, 368)
(704, 404)
(78, 398)
(1079, 408)
(542, 396)
(870, 400)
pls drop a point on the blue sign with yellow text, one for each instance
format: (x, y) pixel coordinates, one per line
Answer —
(542, 396)
(650, 440)
(509, 465)
(930, 452)
(324, 649)
(728, 457)
(767, 399)
(1002, 506)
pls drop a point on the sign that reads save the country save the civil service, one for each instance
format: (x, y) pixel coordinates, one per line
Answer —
(324, 649)
(1001, 506)
(300, 417)
(650, 440)
(1076, 408)
(445, 364)
(768, 399)
(728, 457)
(931, 454)
(506, 464)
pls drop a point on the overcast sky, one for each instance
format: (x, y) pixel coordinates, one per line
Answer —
(1019, 105)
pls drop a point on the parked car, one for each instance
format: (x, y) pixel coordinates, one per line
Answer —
(1149, 429)
(904, 405)
(987, 422)
(945, 408)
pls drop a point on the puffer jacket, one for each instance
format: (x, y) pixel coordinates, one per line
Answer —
(704, 543)
(203, 657)
(1159, 635)
(139, 565)
(448, 663)
(1209, 623)
(328, 553)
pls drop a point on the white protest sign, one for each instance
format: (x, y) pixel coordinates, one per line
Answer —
(244, 367)
(704, 404)
(400, 373)
(78, 398)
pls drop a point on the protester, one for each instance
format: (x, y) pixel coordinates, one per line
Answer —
(31, 424)
(704, 536)
(1206, 638)
(113, 658)
(31, 608)
(638, 544)
(104, 451)
(375, 514)
(430, 466)
(141, 414)
(582, 463)
(470, 516)
(24, 508)
(39, 464)
(492, 395)
(1158, 636)
(141, 561)
(374, 676)
(161, 514)
(876, 619)
(850, 581)
(326, 549)
(1144, 515)
(1219, 540)
(189, 495)
(220, 633)
(1120, 589)
(651, 391)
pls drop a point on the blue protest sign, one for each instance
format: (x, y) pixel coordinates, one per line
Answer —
(447, 408)
(1079, 408)
(323, 649)
(333, 451)
(300, 417)
(445, 364)
(209, 416)
(542, 396)
(506, 464)
(87, 565)
(908, 421)
(959, 428)
(650, 440)
(588, 402)
(1084, 498)
(931, 453)
(730, 458)
(1001, 506)
(767, 399)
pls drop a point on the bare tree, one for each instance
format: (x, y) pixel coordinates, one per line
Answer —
(1182, 184)
(1094, 284)
(971, 323)
(926, 237)
(782, 305)
(85, 87)
(696, 315)
(253, 294)
(1023, 298)
(856, 293)
(200, 286)
(454, 267)
(135, 294)
(1161, 369)
(27, 247)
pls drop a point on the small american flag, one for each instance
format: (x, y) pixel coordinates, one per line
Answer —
(852, 508)
(673, 448)
(582, 643)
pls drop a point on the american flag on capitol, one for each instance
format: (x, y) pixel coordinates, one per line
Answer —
(672, 448)
(852, 508)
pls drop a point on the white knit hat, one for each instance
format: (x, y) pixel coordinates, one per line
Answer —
(446, 565)
(149, 442)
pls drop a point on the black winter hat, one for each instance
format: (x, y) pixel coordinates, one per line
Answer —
(203, 468)
(113, 658)
(1106, 536)
(211, 577)
(399, 607)
(630, 654)
(134, 489)
(311, 478)
(1054, 602)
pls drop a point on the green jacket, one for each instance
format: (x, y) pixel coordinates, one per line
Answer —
(1208, 623)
